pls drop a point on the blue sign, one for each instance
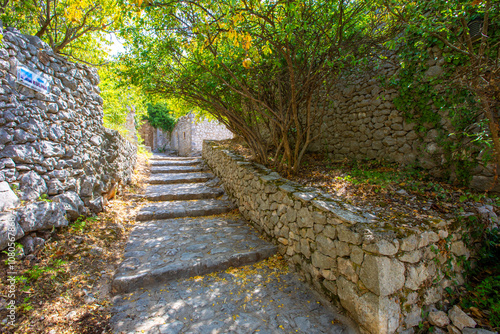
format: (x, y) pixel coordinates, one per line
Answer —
(34, 80)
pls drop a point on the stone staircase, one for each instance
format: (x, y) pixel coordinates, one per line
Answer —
(186, 229)
(177, 237)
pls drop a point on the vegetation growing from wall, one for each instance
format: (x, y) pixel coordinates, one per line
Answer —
(447, 73)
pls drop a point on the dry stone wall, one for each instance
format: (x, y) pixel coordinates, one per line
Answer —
(363, 123)
(55, 143)
(383, 275)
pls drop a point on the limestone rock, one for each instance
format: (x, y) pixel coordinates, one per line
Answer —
(346, 235)
(416, 276)
(458, 248)
(382, 275)
(32, 186)
(97, 205)
(460, 319)
(376, 314)
(476, 331)
(439, 318)
(347, 269)
(42, 215)
(9, 228)
(433, 71)
(414, 317)
(72, 203)
(28, 244)
(322, 261)
(8, 199)
(382, 247)
(410, 243)
(326, 246)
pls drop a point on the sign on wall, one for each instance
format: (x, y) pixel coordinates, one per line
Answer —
(33, 79)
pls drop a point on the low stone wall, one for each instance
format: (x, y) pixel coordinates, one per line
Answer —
(383, 275)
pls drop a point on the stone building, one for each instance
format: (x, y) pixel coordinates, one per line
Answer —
(186, 138)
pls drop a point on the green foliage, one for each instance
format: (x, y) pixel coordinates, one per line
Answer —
(79, 224)
(256, 66)
(75, 28)
(436, 33)
(160, 116)
(44, 198)
(484, 291)
(119, 100)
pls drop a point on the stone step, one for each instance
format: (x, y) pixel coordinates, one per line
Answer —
(182, 191)
(176, 169)
(175, 162)
(178, 209)
(159, 251)
(180, 178)
(170, 158)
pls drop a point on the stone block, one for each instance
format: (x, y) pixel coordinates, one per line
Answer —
(326, 246)
(346, 235)
(32, 186)
(382, 247)
(322, 261)
(8, 199)
(347, 269)
(42, 215)
(10, 230)
(72, 203)
(375, 314)
(382, 275)
(460, 319)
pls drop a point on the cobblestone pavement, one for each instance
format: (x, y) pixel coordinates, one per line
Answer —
(157, 283)
(258, 298)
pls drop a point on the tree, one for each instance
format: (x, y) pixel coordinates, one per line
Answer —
(263, 68)
(73, 28)
(159, 115)
(119, 100)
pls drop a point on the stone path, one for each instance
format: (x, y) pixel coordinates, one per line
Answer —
(188, 231)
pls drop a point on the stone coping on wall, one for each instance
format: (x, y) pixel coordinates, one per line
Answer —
(382, 274)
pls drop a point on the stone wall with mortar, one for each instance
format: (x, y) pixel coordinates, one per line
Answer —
(383, 275)
(363, 123)
(56, 143)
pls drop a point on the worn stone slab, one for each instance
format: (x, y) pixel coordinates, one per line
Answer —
(179, 178)
(177, 209)
(257, 300)
(176, 169)
(175, 162)
(157, 156)
(162, 250)
(182, 191)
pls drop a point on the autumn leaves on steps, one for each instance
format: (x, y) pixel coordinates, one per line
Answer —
(179, 236)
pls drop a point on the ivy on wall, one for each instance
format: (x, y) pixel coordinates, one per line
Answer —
(429, 98)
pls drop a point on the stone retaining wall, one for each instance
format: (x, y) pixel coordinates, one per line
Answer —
(364, 123)
(383, 275)
(54, 143)
(60, 135)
